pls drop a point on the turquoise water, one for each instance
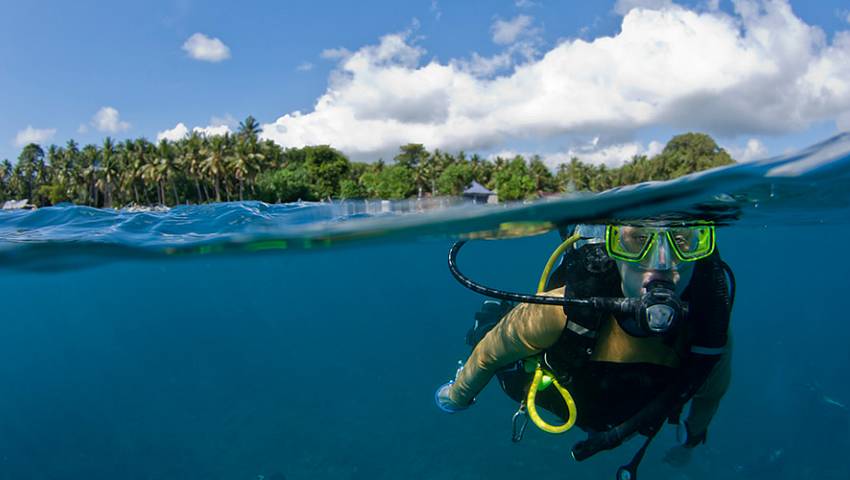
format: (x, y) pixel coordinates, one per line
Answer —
(305, 341)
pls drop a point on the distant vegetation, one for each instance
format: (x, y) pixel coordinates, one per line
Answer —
(240, 166)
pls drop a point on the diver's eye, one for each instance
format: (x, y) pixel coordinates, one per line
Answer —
(635, 241)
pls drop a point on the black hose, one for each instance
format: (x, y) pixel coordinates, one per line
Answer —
(502, 294)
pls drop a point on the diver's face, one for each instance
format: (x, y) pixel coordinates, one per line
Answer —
(660, 264)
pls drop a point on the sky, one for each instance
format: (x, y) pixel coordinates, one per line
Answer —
(599, 80)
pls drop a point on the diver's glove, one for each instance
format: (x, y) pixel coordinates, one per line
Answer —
(443, 399)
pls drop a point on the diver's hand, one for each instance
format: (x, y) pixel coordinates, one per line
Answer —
(678, 456)
(444, 400)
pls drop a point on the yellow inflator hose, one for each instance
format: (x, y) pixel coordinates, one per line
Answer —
(532, 407)
(543, 379)
(541, 285)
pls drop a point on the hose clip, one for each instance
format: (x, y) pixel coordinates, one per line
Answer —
(518, 423)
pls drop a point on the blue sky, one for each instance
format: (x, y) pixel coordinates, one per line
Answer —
(453, 75)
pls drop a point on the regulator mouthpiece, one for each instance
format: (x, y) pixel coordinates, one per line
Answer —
(659, 318)
(657, 313)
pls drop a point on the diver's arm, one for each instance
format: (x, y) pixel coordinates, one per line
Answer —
(526, 330)
(707, 399)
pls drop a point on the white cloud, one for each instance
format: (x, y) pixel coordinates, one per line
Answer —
(609, 155)
(178, 132)
(228, 120)
(212, 130)
(525, 3)
(33, 135)
(335, 53)
(593, 153)
(712, 4)
(304, 67)
(848, 17)
(108, 120)
(761, 70)
(519, 36)
(181, 130)
(654, 148)
(753, 150)
(435, 9)
(486, 66)
(506, 32)
(622, 7)
(206, 49)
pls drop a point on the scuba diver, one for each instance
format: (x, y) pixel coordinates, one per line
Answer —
(631, 326)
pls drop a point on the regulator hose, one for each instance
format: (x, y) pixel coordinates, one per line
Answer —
(614, 305)
(494, 293)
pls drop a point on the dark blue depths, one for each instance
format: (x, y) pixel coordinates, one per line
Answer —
(322, 364)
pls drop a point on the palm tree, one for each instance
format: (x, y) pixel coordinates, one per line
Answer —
(130, 166)
(498, 165)
(88, 173)
(144, 156)
(108, 171)
(167, 169)
(249, 129)
(215, 161)
(191, 156)
(244, 163)
(431, 168)
(5, 175)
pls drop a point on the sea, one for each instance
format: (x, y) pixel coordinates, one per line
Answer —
(246, 341)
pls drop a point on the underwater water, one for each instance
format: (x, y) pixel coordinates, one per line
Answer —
(305, 341)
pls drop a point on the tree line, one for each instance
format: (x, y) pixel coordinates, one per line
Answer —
(241, 166)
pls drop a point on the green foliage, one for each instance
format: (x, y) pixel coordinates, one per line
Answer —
(411, 155)
(325, 167)
(284, 185)
(29, 172)
(514, 181)
(199, 169)
(690, 152)
(349, 189)
(393, 182)
(455, 178)
(544, 181)
(684, 154)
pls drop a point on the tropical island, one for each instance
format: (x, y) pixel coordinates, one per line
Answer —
(241, 166)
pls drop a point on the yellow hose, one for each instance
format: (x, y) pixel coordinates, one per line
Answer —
(532, 407)
(538, 371)
(554, 258)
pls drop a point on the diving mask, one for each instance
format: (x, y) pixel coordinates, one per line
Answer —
(634, 243)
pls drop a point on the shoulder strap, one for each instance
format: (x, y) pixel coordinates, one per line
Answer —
(585, 272)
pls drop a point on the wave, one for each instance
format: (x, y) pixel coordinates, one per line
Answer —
(809, 187)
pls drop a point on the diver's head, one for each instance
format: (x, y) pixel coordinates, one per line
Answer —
(649, 256)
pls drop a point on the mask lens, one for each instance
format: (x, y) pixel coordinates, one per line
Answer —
(627, 242)
(692, 243)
